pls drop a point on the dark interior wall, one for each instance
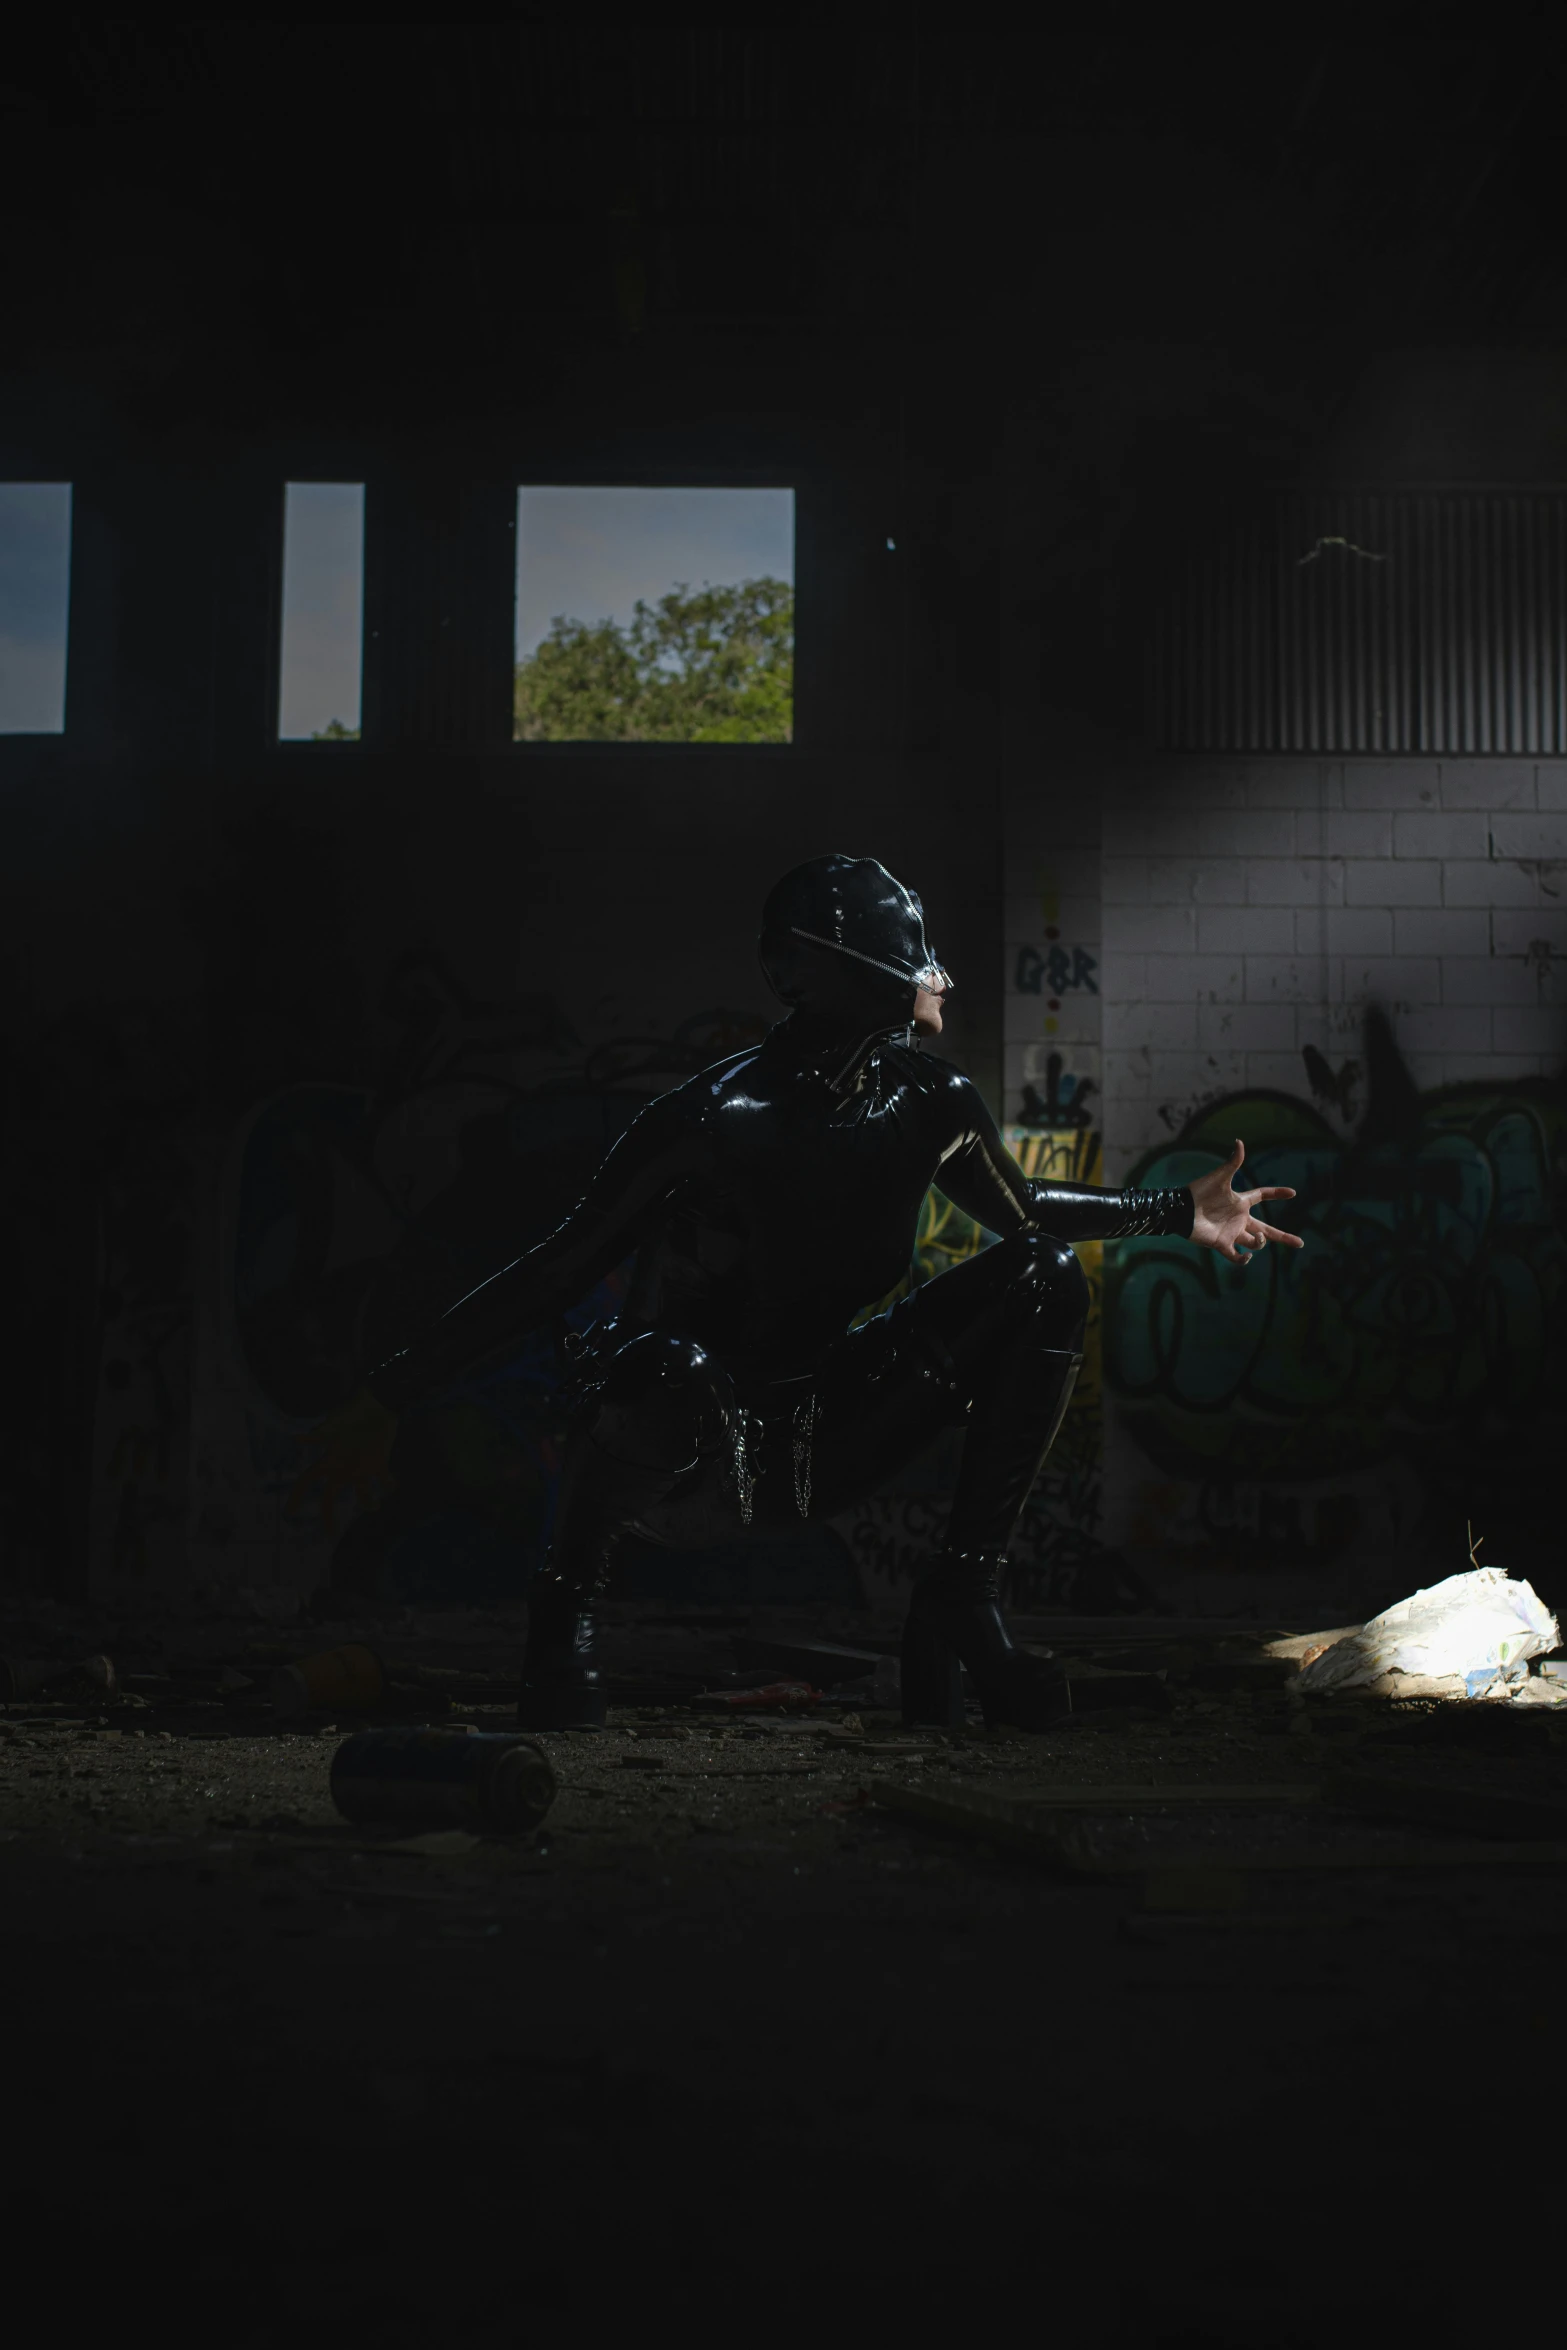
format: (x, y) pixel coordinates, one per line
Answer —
(630, 871)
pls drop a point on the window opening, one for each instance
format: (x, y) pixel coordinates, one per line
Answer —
(322, 653)
(654, 615)
(35, 597)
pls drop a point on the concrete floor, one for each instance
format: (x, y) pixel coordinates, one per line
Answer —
(734, 2043)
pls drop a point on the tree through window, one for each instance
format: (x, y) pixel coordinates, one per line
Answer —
(655, 615)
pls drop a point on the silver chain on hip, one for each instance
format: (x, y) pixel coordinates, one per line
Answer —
(744, 1473)
(805, 1417)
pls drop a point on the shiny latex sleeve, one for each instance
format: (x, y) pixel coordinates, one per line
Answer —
(1084, 1211)
(979, 1175)
(650, 1158)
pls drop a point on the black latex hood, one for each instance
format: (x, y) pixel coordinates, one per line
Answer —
(840, 935)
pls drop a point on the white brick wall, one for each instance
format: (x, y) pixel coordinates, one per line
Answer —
(1247, 908)
(1056, 885)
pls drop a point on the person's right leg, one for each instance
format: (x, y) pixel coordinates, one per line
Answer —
(661, 1412)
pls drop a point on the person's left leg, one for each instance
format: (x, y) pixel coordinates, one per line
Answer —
(994, 1344)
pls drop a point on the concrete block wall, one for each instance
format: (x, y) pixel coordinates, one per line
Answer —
(1180, 930)
(1052, 1042)
(1248, 908)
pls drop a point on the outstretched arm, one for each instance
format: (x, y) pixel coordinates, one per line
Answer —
(979, 1174)
(657, 1150)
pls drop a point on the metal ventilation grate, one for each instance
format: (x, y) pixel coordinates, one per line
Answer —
(1374, 621)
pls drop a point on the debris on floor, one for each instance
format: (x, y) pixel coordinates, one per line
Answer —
(1345, 1822)
(824, 1664)
(1096, 1688)
(24, 1677)
(1472, 1635)
(190, 1744)
(773, 1696)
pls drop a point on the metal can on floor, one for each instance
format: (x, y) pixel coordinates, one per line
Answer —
(430, 1777)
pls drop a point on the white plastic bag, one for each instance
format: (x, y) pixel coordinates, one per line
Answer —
(1479, 1627)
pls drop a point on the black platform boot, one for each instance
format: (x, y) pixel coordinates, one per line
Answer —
(562, 1687)
(955, 1620)
(955, 1623)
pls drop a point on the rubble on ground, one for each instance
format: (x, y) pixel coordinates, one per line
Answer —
(190, 1741)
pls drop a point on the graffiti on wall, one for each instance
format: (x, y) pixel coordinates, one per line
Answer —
(1427, 1310)
(1064, 1102)
(1057, 1561)
(1063, 977)
(1054, 971)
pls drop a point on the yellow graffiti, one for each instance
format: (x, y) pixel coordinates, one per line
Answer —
(1071, 1154)
(946, 1237)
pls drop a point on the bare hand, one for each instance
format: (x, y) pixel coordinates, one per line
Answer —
(352, 1448)
(1226, 1219)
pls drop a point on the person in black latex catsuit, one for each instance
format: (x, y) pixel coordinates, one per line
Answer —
(767, 1202)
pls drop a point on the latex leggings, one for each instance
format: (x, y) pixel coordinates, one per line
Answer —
(984, 1346)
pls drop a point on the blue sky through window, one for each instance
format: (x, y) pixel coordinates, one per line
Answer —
(35, 595)
(323, 608)
(588, 554)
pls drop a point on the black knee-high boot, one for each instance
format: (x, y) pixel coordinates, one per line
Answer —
(562, 1683)
(562, 1687)
(659, 1409)
(955, 1620)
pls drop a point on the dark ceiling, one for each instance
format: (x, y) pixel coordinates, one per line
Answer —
(296, 188)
